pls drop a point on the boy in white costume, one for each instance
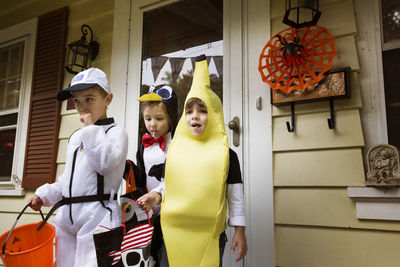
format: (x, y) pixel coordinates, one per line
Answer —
(86, 191)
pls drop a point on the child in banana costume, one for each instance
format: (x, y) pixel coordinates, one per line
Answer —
(200, 171)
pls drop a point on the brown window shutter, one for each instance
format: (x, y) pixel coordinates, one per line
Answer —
(44, 115)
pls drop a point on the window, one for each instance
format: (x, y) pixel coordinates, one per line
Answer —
(390, 14)
(16, 62)
(173, 35)
(11, 59)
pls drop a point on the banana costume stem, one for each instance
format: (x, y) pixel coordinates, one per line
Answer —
(193, 211)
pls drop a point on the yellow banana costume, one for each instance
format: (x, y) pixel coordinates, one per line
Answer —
(193, 210)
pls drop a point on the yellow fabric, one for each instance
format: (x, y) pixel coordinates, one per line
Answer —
(193, 210)
(150, 97)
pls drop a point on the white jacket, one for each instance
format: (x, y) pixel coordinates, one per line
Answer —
(98, 149)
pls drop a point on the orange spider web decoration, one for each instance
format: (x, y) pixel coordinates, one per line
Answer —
(295, 59)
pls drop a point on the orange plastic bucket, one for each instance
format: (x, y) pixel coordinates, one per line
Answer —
(28, 247)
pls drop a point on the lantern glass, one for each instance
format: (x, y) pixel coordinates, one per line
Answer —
(301, 13)
(307, 3)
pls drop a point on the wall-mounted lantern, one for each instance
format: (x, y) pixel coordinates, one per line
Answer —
(301, 13)
(81, 53)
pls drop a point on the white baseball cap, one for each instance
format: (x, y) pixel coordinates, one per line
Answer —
(84, 80)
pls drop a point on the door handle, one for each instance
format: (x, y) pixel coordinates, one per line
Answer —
(234, 125)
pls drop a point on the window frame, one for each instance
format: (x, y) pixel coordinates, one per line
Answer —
(390, 45)
(26, 32)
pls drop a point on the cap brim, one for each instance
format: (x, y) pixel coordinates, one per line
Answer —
(66, 93)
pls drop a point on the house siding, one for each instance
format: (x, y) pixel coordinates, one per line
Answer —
(315, 221)
(98, 14)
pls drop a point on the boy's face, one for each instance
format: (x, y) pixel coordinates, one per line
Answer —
(156, 120)
(196, 119)
(91, 104)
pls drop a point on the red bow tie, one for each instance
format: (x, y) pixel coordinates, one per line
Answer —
(148, 140)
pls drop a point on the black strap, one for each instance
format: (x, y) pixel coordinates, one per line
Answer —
(76, 200)
(71, 179)
(100, 191)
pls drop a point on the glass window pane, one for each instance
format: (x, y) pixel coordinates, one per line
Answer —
(173, 36)
(391, 20)
(15, 58)
(3, 70)
(9, 119)
(7, 143)
(12, 98)
(3, 63)
(11, 58)
(3, 95)
(3, 56)
(391, 70)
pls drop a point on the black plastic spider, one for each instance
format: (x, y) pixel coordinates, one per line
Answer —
(292, 49)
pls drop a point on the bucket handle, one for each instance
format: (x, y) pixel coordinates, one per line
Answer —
(15, 223)
(124, 212)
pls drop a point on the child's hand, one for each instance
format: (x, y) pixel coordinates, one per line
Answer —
(86, 119)
(149, 200)
(239, 241)
(35, 203)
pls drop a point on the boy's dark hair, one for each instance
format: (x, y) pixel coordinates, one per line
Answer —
(194, 100)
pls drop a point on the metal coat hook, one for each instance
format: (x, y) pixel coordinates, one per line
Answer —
(291, 128)
(331, 120)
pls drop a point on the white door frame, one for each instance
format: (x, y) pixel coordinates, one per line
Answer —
(248, 32)
(257, 136)
(233, 95)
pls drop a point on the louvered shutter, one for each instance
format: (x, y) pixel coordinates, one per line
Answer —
(44, 115)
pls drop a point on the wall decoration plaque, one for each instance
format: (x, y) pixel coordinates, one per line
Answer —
(334, 84)
(383, 166)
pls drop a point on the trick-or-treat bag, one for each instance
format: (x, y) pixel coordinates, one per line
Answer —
(129, 244)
